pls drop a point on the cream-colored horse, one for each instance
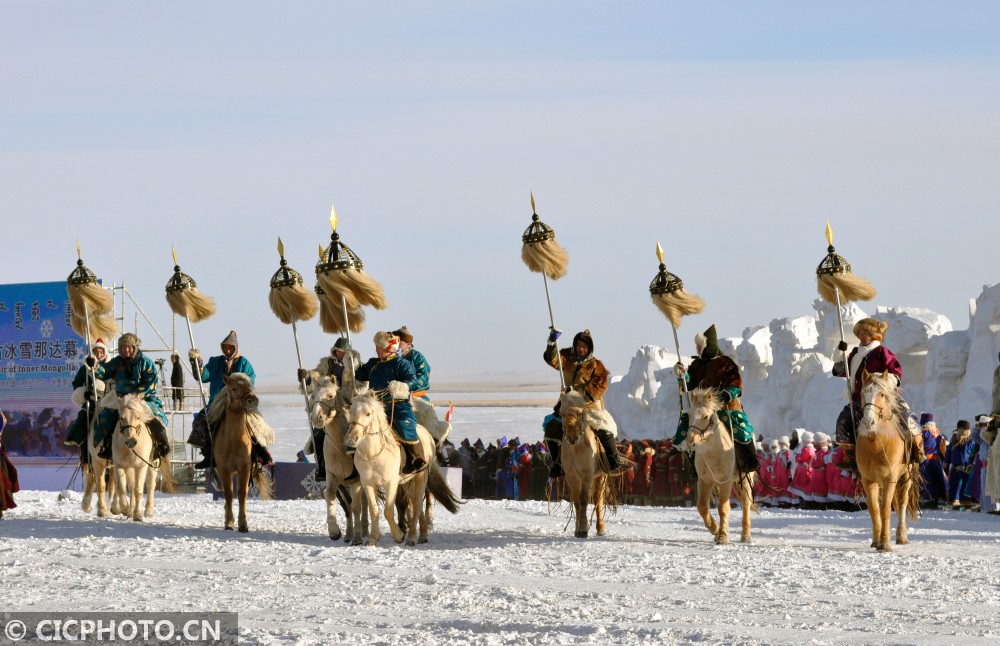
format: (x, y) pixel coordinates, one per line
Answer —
(715, 463)
(132, 448)
(329, 409)
(881, 454)
(96, 472)
(586, 478)
(378, 457)
(231, 447)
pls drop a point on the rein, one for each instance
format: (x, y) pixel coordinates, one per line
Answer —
(713, 422)
(132, 449)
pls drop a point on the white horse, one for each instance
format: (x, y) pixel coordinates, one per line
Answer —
(378, 458)
(715, 462)
(132, 449)
(96, 472)
(329, 407)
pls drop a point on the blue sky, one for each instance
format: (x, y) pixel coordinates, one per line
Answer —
(730, 132)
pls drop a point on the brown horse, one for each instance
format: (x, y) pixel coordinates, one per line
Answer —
(236, 407)
(715, 462)
(581, 458)
(881, 452)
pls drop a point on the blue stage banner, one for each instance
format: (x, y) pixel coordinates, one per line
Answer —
(40, 355)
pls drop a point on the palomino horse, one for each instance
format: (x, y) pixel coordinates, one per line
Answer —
(378, 457)
(96, 472)
(329, 408)
(715, 462)
(132, 449)
(234, 407)
(586, 478)
(881, 452)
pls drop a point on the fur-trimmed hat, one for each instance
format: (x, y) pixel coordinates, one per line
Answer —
(404, 335)
(822, 438)
(983, 420)
(962, 424)
(784, 440)
(708, 342)
(805, 437)
(231, 340)
(925, 418)
(129, 339)
(386, 341)
(775, 445)
(99, 344)
(874, 327)
(587, 340)
(341, 344)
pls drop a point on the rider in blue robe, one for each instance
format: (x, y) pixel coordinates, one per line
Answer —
(131, 372)
(379, 372)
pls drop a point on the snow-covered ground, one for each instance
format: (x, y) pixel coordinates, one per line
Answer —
(504, 572)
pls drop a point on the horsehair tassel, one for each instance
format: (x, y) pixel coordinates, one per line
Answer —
(678, 304)
(851, 287)
(540, 251)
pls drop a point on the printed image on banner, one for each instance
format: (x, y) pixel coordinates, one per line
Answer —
(40, 355)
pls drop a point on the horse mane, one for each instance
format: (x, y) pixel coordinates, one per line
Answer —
(573, 402)
(217, 409)
(706, 398)
(370, 399)
(136, 404)
(886, 385)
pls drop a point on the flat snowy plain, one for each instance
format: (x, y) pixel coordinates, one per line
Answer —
(504, 572)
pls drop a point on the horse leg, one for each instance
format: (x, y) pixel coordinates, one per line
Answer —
(137, 485)
(725, 492)
(582, 500)
(244, 483)
(88, 489)
(150, 491)
(359, 508)
(372, 503)
(746, 503)
(599, 489)
(704, 509)
(330, 494)
(873, 495)
(902, 502)
(389, 511)
(227, 491)
(885, 535)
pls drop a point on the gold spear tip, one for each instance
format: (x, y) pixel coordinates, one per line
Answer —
(532, 194)
(173, 252)
(333, 217)
(659, 252)
(281, 248)
(78, 257)
(829, 233)
(322, 255)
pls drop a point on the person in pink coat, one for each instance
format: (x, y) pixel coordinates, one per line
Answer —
(759, 488)
(818, 487)
(802, 460)
(782, 473)
(845, 487)
(770, 493)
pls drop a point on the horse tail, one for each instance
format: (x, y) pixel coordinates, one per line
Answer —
(166, 471)
(344, 498)
(914, 485)
(265, 485)
(438, 487)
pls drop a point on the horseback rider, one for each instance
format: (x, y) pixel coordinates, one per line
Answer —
(712, 369)
(586, 374)
(215, 373)
(873, 357)
(393, 377)
(87, 391)
(133, 373)
(422, 382)
(332, 366)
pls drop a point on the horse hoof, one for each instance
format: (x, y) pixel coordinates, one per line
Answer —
(581, 534)
(422, 540)
(874, 544)
(722, 540)
(356, 541)
(398, 541)
(335, 537)
(902, 541)
(411, 543)
(744, 539)
(103, 514)
(228, 528)
(244, 530)
(885, 548)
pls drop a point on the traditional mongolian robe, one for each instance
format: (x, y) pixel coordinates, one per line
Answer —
(802, 461)
(137, 376)
(378, 373)
(422, 380)
(218, 368)
(81, 384)
(719, 372)
(935, 486)
(873, 357)
(587, 375)
(818, 487)
(8, 475)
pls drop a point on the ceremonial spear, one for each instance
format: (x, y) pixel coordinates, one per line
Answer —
(837, 285)
(91, 315)
(340, 276)
(667, 293)
(291, 302)
(542, 254)
(185, 300)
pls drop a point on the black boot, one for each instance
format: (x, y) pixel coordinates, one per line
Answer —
(319, 435)
(206, 457)
(414, 462)
(607, 441)
(260, 453)
(105, 451)
(555, 469)
(746, 457)
(159, 433)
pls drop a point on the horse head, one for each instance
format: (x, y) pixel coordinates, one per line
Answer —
(133, 416)
(705, 404)
(572, 412)
(366, 417)
(240, 394)
(323, 402)
(876, 402)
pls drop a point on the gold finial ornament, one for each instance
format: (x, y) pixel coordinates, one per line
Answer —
(91, 306)
(289, 299)
(183, 295)
(539, 249)
(667, 292)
